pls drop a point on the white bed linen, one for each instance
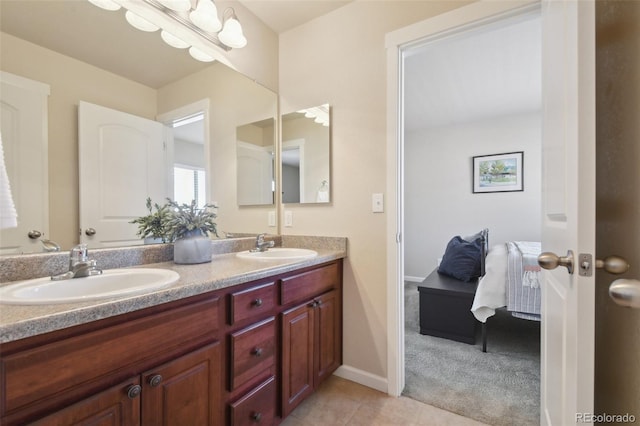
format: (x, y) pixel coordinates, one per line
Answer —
(491, 293)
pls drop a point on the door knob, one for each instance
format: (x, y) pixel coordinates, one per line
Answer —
(613, 264)
(34, 234)
(625, 292)
(548, 260)
(90, 231)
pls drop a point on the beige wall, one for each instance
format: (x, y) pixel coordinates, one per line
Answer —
(71, 81)
(340, 59)
(618, 201)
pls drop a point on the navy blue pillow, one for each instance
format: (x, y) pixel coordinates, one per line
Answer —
(462, 259)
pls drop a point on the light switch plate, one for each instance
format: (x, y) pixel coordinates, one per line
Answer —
(272, 218)
(377, 203)
(288, 218)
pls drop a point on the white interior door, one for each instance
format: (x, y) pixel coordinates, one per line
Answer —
(24, 131)
(123, 161)
(567, 358)
(255, 174)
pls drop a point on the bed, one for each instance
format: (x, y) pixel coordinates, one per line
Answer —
(511, 280)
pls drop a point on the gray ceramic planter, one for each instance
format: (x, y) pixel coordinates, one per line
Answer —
(192, 249)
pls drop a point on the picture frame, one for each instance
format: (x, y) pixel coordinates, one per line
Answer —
(498, 172)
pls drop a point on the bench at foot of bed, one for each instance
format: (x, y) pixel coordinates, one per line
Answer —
(445, 309)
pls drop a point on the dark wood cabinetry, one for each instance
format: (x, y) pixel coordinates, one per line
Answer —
(311, 336)
(246, 354)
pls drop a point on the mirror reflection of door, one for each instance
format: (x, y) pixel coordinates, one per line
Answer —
(293, 171)
(255, 181)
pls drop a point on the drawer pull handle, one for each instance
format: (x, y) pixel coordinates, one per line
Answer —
(155, 380)
(134, 391)
(257, 302)
(257, 352)
(256, 417)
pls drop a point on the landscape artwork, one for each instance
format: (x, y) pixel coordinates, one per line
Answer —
(498, 172)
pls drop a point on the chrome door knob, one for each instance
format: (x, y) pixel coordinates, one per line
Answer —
(90, 231)
(613, 265)
(34, 234)
(625, 292)
(548, 260)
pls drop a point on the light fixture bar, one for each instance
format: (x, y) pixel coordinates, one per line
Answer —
(184, 21)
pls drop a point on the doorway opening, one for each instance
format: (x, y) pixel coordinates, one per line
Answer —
(474, 91)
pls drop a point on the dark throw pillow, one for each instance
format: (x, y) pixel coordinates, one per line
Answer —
(461, 259)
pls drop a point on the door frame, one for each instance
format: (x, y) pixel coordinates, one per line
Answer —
(453, 22)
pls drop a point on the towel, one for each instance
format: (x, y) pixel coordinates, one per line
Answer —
(8, 214)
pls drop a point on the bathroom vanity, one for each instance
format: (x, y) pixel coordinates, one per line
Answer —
(242, 347)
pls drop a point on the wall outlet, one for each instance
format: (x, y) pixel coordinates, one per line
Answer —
(377, 203)
(288, 218)
(271, 218)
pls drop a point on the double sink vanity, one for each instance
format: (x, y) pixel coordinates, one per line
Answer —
(240, 340)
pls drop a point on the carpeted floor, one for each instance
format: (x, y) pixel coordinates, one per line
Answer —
(500, 387)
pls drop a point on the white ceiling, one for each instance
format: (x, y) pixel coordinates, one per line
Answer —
(488, 72)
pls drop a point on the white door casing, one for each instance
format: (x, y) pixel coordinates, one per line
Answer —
(568, 189)
(24, 114)
(122, 161)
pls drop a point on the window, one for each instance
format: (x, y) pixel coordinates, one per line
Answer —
(188, 185)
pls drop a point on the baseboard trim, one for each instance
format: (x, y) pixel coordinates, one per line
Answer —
(362, 377)
(414, 279)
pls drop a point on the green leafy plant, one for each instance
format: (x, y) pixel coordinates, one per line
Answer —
(186, 218)
(155, 224)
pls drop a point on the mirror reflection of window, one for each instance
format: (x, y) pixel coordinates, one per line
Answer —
(189, 184)
(189, 177)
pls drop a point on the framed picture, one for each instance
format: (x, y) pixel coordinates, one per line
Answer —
(498, 172)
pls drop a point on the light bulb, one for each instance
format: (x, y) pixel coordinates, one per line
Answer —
(173, 41)
(205, 16)
(231, 34)
(139, 22)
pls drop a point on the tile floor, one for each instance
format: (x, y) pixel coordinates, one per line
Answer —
(343, 402)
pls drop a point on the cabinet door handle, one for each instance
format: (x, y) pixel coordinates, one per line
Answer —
(257, 302)
(318, 302)
(155, 380)
(256, 417)
(257, 352)
(134, 391)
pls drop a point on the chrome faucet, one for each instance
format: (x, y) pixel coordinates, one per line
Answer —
(79, 264)
(261, 244)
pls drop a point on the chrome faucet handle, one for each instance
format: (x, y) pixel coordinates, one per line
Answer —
(260, 238)
(78, 254)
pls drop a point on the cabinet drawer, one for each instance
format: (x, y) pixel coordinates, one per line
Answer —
(252, 302)
(256, 407)
(80, 362)
(309, 284)
(252, 352)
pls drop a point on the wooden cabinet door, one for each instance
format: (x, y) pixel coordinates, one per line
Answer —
(185, 391)
(116, 406)
(328, 345)
(297, 356)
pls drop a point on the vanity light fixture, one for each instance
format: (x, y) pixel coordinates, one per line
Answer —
(192, 24)
(320, 114)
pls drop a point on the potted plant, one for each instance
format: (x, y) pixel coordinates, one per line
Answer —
(152, 228)
(189, 228)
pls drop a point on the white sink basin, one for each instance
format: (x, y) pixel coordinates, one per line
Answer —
(279, 253)
(111, 283)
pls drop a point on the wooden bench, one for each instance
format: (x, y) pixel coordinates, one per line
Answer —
(445, 309)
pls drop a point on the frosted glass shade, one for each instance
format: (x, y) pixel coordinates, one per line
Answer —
(105, 4)
(205, 16)
(140, 23)
(177, 5)
(200, 55)
(231, 34)
(173, 41)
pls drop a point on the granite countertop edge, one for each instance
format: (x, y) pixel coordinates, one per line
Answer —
(225, 270)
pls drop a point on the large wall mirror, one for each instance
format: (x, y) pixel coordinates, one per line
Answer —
(306, 155)
(87, 54)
